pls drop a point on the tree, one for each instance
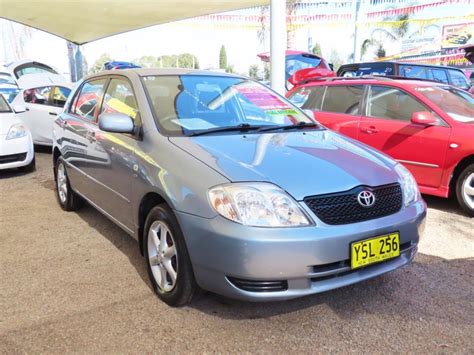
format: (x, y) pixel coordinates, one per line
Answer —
(99, 63)
(335, 60)
(253, 71)
(316, 50)
(147, 61)
(188, 60)
(222, 58)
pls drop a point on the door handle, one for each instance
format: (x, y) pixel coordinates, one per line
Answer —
(53, 113)
(369, 130)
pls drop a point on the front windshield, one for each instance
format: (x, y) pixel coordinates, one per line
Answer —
(456, 103)
(6, 78)
(4, 107)
(186, 104)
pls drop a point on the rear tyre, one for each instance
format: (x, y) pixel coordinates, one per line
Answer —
(168, 263)
(30, 167)
(465, 190)
(68, 199)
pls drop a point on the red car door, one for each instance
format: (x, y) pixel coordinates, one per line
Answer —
(328, 107)
(386, 126)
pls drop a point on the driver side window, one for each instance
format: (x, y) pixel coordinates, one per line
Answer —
(391, 103)
(120, 98)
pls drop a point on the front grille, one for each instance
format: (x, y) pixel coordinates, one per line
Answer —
(4, 159)
(343, 207)
(259, 286)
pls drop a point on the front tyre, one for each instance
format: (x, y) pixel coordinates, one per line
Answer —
(168, 263)
(68, 199)
(465, 190)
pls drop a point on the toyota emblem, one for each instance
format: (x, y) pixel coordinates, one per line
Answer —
(366, 198)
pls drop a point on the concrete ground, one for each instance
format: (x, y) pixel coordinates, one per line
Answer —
(74, 282)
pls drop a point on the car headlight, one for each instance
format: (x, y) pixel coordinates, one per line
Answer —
(257, 204)
(17, 131)
(411, 193)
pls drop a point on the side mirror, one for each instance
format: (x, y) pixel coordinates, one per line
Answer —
(19, 109)
(424, 118)
(116, 122)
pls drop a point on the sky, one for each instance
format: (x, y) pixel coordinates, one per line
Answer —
(204, 40)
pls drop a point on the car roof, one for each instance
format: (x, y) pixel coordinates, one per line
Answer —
(163, 71)
(371, 80)
(395, 62)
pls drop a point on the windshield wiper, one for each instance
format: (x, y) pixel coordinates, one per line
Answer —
(243, 127)
(299, 125)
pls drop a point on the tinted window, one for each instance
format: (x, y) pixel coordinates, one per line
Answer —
(120, 98)
(413, 71)
(37, 95)
(88, 99)
(458, 79)
(309, 98)
(297, 62)
(440, 75)
(388, 102)
(59, 96)
(4, 105)
(6, 78)
(343, 99)
(188, 103)
(381, 69)
(456, 103)
(33, 68)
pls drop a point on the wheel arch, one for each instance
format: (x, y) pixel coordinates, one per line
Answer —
(56, 154)
(461, 165)
(148, 201)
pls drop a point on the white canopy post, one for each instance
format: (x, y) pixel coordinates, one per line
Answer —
(277, 45)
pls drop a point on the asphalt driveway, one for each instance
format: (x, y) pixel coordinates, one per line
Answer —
(74, 282)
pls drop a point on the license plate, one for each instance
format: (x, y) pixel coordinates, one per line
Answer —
(375, 250)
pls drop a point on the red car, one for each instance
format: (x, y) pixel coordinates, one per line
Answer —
(429, 127)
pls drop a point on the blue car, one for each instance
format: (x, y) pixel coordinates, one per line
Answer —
(229, 187)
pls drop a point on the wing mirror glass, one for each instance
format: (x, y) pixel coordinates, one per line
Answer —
(116, 122)
(424, 118)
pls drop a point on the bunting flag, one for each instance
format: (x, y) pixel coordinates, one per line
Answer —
(413, 9)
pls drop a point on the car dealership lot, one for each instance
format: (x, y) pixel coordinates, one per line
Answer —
(76, 282)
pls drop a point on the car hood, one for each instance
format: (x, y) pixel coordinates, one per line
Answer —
(302, 163)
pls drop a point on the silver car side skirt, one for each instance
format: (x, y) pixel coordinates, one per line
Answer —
(418, 163)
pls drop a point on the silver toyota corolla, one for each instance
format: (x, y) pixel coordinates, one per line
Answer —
(229, 187)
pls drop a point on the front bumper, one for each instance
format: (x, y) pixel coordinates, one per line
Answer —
(308, 260)
(15, 153)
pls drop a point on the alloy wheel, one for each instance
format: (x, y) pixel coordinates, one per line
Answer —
(468, 190)
(162, 256)
(61, 181)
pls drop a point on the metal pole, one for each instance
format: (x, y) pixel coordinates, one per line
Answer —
(277, 44)
(356, 50)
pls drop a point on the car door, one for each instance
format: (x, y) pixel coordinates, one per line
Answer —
(79, 148)
(386, 126)
(39, 115)
(117, 175)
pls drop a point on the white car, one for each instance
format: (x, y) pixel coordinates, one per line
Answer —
(41, 99)
(16, 143)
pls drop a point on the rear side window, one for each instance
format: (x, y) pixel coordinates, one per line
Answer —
(458, 79)
(391, 103)
(38, 96)
(440, 75)
(4, 107)
(88, 99)
(59, 95)
(416, 72)
(308, 98)
(343, 99)
(120, 98)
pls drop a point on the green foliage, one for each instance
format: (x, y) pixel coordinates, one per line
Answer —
(266, 71)
(99, 63)
(229, 69)
(316, 50)
(335, 60)
(253, 71)
(380, 52)
(185, 60)
(222, 58)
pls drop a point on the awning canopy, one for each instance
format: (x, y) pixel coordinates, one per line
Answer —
(82, 21)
